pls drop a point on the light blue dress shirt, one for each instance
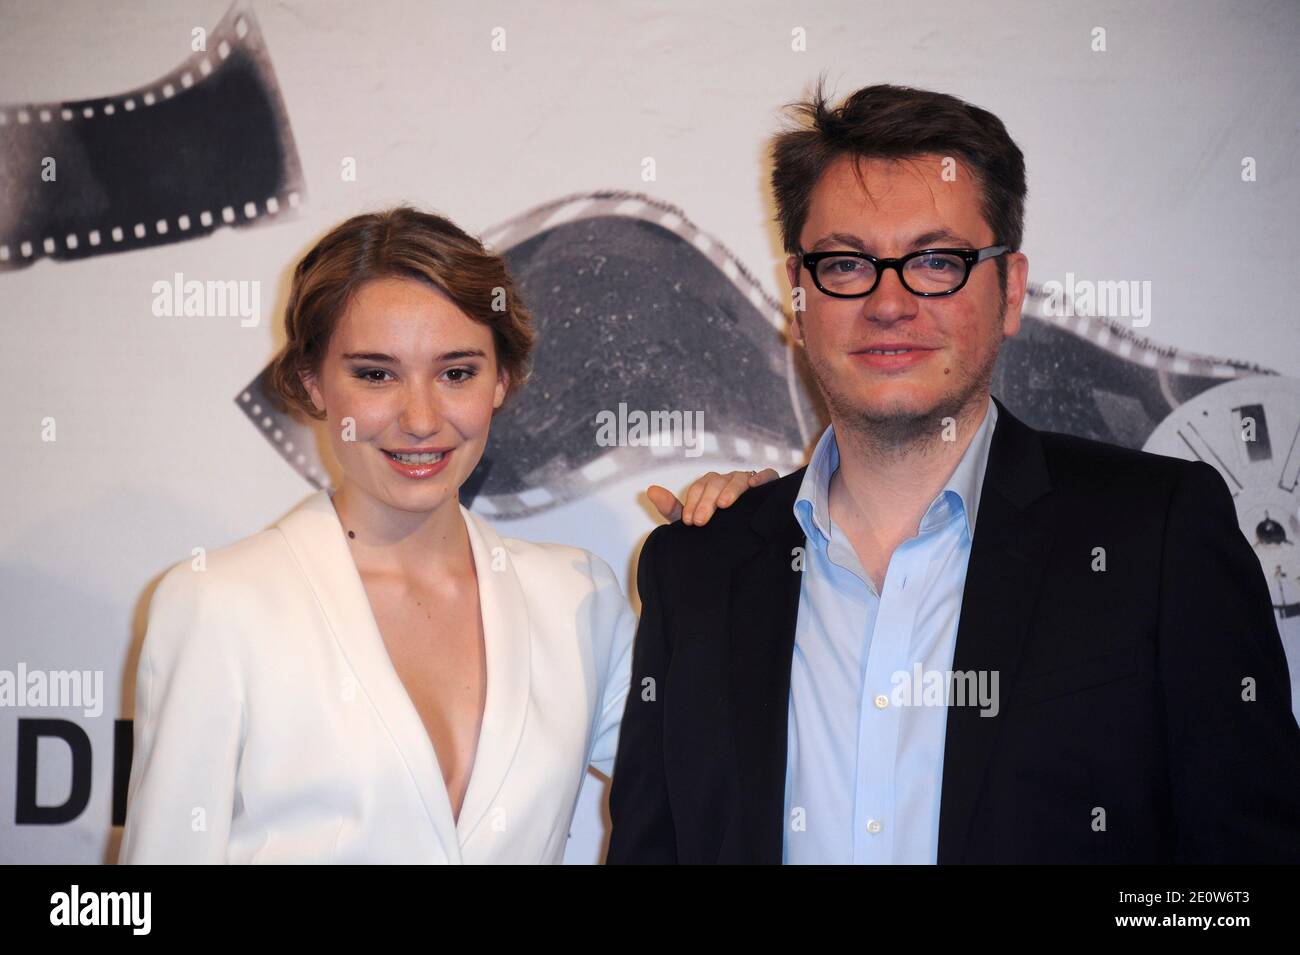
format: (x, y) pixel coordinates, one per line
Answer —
(864, 770)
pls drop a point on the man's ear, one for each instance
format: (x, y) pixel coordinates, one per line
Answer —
(792, 274)
(1017, 284)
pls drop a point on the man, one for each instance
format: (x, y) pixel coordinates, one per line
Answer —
(951, 638)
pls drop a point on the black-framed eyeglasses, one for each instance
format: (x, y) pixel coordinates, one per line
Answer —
(929, 272)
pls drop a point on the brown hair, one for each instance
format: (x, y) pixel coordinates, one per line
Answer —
(896, 122)
(405, 243)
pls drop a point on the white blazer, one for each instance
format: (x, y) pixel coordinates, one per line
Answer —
(271, 726)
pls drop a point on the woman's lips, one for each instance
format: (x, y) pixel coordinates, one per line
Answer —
(418, 472)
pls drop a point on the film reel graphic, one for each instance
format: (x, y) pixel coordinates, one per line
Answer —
(204, 146)
(663, 317)
(1094, 377)
(635, 304)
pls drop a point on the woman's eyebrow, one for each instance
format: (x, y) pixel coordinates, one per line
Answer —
(445, 356)
(462, 353)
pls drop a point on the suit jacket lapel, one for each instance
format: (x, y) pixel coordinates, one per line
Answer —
(1008, 554)
(765, 605)
(1002, 583)
(508, 639)
(317, 540)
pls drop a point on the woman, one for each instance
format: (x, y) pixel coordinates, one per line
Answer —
(381, 677)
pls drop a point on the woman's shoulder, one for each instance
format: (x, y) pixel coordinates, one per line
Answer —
(574, 589)
(230, 575)
(195, 611)
(550, 563)
(243, 563)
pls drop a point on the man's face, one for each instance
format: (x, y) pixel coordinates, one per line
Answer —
(952, 340)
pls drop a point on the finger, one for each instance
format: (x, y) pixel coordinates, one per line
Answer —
(731, 486)
(714, 487)
(693, 495)
(665, 501)
(763, 476)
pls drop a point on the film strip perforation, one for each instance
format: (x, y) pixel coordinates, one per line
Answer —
(237, 32)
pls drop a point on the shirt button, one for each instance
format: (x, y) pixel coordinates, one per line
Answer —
(874, 826)
(882, 701)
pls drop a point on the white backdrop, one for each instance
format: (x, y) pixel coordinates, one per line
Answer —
(1134, 157)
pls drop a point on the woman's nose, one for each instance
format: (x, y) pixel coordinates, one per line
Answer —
(421, 411)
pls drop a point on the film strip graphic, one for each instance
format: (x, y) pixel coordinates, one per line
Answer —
(1110, 334)
(577, 467)
(1095, 377)
(581, 263)
(204, 146)
(673, 219)
(762, 416)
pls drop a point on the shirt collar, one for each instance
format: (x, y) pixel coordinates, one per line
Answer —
(812, 505)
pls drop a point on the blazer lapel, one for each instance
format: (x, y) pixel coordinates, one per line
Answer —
(317, 540)
(1008, 554)
(507, 637)
(765, 605)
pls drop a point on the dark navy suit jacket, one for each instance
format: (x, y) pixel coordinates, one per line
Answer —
(1123, 691)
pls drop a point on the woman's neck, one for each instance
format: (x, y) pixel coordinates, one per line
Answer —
(415, 545)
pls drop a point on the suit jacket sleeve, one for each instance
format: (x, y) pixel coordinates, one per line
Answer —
(643, 830)
(188, 727)
(1234, 761)
(616, 623)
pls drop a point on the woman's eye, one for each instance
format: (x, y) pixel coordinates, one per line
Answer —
(365, 374)
(460, 375)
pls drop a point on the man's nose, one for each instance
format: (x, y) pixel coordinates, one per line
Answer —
(891, 301)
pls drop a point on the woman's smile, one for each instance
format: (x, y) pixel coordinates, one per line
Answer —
(418, 466)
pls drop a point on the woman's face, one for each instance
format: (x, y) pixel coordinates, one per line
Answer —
(407, 372)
